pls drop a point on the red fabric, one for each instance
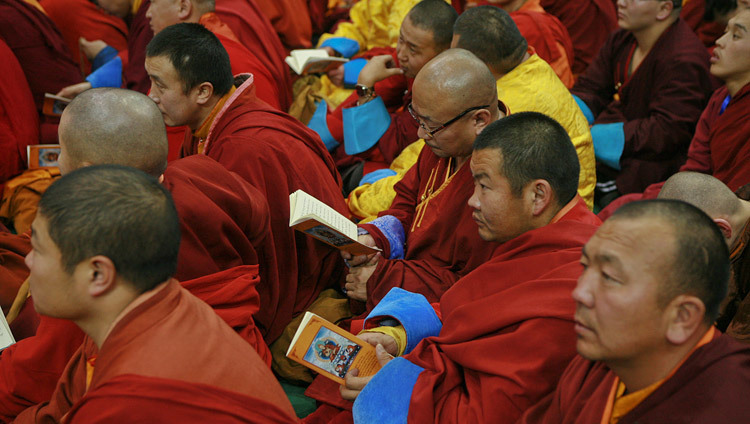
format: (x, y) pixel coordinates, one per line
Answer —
(278, 155)
(19, 119)
(13, 270)
(708, 388)
(589, 23)
(547, 35)
(140, 34)
(243, 61)
(708, 32)
(291, 20)
(507, 329)
(255, 32)
(443, 245)
(83, 18)
(175, 138)
(171, 335)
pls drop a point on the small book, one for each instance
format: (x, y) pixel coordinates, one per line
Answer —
(54, 105)
(42, 155)
(311, 216)
(6, 337)
(312, 61)
(330, 350)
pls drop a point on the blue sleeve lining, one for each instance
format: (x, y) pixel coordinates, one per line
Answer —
(345, 46)
(364, 125)
(585, 109)
(393, 230)
(319, 124)
(105, 55)
(386, 398)
(352, 70)
(609, 143)
(108, 75)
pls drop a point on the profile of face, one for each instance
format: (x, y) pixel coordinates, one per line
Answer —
(163, 13)
(119, 8)
(500, 214)
(731, 57)
(415, 47)
(635, 15)
(618, 317)
(176, 106)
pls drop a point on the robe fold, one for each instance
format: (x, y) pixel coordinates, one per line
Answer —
(170, 335)
(658, 105)
(549, 38)
(291, 20)
(134, 74)
(709, 387)
(32, 367)
(279, 155)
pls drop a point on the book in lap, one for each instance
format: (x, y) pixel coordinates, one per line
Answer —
(312, 61)
(315, 218)
(330, 350)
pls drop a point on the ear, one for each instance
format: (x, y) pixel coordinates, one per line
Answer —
(725, 227)
(481, 119)
(540, 195)
(185, 9)
(684, 316)
(205, 91)
(665, 10)
(102, 275)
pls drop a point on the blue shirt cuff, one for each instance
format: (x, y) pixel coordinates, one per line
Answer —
(609, 142)
(319, 124)
(345, 46)
(393, 230)
(364, 125)
(105, 55)
(377, 175)
(352, 70)
(585, 109)
(413, 311)
(108, 75)
(386, 398)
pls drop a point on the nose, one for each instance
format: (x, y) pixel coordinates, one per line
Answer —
(582, 294)
(721, 42)
(474, 200)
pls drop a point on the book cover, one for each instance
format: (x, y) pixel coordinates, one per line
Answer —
(312, 61)
(42, 155)
(54, 105)
(330, 350)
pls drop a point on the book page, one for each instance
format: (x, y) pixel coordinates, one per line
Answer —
(306, 206)
(6, 337)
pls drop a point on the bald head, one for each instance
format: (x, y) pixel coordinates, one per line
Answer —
(703, 191)
(113, 126)
(490, 33)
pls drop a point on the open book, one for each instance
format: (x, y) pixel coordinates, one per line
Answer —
(311, 216)
(330, 350)
(42, 155)
(54, 105)
(311, 61)
(6, 337)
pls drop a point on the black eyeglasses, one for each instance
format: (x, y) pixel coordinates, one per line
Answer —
(431, 133)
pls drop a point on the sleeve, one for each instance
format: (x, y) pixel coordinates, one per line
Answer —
(386, 398)
(609, 142)
(343, 45)
(595, 87)
(364, 125)
(105, 55)
(352, 70)
(108, 75)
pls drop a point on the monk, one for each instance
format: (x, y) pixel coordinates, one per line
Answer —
(654, 276)
(643, 112)
(141, 326)
(731, 214)
(268, 148)
(498, 347)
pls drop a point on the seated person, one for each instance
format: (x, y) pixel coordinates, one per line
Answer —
(654, 276)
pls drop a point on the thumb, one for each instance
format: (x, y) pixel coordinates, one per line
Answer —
(383, 356)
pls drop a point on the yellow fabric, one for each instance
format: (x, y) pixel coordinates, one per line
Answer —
(367, 200)
(534, 87)
(21, 195)
(398, 333)
(332, 94)
(136, 6)
(37, 5)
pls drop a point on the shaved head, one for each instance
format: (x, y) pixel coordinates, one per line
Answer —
(113, 126)
(703, 191)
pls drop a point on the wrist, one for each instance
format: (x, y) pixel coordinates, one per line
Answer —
(365, 93)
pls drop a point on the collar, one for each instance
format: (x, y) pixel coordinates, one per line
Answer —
(202, 133)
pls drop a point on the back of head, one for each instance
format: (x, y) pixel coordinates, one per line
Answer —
(114, 126)
(701, 261)
(437, 17)
(490, 33)
(118, 212)
(718, 10)
(534, 146)
(196, 54)
(703, 191)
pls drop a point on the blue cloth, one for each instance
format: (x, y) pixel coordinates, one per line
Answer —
(386, 398)
(352, 70)
(379, 174)
(413, 311)
(585, 109)
(393, 231)
(345, 46)
(364, 125)
(105, 55)
(108, 75)
(609, 142)
(319, 124)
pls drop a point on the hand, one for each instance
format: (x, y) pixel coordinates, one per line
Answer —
(91, 48)
(356, 281)
(336, 76)
(388, 342)
(74, 90)
(353, 261)
(354, 384)
(331, 51)
(377, 69)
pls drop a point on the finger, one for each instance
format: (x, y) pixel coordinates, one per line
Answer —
(383, 356)
(346, 255)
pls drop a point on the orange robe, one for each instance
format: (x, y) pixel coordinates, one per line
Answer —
(291, 20)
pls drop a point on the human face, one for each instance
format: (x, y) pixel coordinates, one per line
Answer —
(163, 13)
(167, 92)
(415, 47)
(53, 289)
(618, 317)
(731, 57)
(119, 8)
(635, 15)
(431, 112)
(500, 214)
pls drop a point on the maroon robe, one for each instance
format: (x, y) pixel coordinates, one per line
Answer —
(279, 155)
(709, 387)
(134, 74)
(13, 270)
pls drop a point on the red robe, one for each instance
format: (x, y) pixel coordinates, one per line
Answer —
(19, 119)
(709, 387)
(170, 335)
(708, 32)
(279, 155)
(13, 270)
(589, 23)
(83, 18)
(291, 20)
(134, 74)
(31, 368)
(255, 32)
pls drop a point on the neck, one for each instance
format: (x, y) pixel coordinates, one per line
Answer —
(497, 74)
(734, 85)
(204, 113)
(460, 161)
(647, 37)
(514, 5)
(107, 310)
